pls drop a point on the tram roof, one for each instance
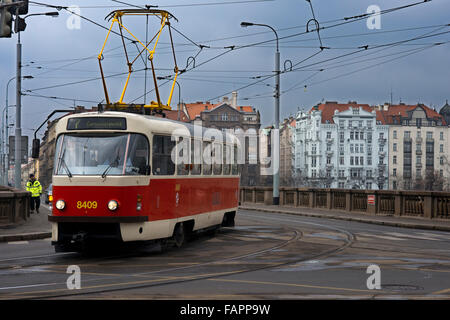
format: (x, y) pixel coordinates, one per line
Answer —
(194, 130)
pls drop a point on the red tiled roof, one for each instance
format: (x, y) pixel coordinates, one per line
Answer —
(329, 108)
(194, 109)
(397, 111)
(384, 116)
(173, 115)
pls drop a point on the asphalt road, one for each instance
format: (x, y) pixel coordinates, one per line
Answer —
(266, 256)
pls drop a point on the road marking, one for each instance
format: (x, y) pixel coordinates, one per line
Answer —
(442, 291)
(379, 236)
(397, 234)
(18, 242)
(297, 285)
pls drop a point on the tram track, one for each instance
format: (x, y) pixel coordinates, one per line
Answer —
(163, 280)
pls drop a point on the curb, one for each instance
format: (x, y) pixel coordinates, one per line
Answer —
(25, 236)
(379, 222)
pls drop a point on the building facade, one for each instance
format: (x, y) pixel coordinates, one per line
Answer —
(341, 146)
(419, 147)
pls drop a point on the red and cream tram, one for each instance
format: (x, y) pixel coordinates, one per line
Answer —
(133, 177)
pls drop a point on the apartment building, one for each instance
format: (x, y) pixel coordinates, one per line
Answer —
(341, 146)
(419, 147)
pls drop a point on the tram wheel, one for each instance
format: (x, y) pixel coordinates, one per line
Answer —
(179, 235)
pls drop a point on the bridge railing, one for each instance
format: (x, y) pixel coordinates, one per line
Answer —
(14, 205)
(425, 204)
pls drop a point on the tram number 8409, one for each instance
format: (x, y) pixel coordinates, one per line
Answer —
(86, 204)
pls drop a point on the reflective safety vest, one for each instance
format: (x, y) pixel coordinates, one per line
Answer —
(35, 188)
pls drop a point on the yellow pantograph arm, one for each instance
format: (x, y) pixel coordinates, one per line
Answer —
(107, 36)
(146, 47)
(173, 86)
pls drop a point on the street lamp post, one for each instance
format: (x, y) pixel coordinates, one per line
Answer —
(5, 134)
(276, 147)
(18, 131)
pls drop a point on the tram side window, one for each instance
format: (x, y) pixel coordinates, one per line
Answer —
(137, 158)
(196, 157)
(227, 160)
(234, 167)
(217, 158)
(183, 156)
(162, 163)
(207, 160)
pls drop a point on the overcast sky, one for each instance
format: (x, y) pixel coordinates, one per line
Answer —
(57, 52)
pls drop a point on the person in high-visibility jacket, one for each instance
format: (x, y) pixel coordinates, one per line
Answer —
(34, 186)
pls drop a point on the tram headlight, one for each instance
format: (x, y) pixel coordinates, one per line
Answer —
(60, 204)
(113, 205)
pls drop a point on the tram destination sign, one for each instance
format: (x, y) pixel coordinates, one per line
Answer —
(97, 123)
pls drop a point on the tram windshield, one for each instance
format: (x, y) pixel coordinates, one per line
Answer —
(101, 154)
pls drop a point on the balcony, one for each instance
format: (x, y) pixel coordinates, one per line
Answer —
(418, 164)
(382, 141)
(382, 153)
(330, 140)
(419, 140)
(419, 152)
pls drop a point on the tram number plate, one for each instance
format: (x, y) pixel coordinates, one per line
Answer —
(86, 204)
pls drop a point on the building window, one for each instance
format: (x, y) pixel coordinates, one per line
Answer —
(369, 161)
(341, 123)
(369, 174)
(361, 148)
(328, 160)
(429, 135)
(351, 148)
(351, 161)
(441, 160)
(361, 160)
(394, 159)
(441, 148)
(341, 161)
(394, 185)
(441, 173)
(351, 135)
(341, 185)
(441, 135)
(418, 160)
(369, 124)
(368, 185)
(407, 134)
(328, 135)
(341, 136)
(356, 135)
(313, 162)
(394, 147)
(361, 135)
(356, 161)
(356, 148)
(395, 134)
(394, 172)
(313, 173)
(418, 122)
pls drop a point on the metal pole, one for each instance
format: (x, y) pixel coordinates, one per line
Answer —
(18, 144)
(6, 138)
(276, 153)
